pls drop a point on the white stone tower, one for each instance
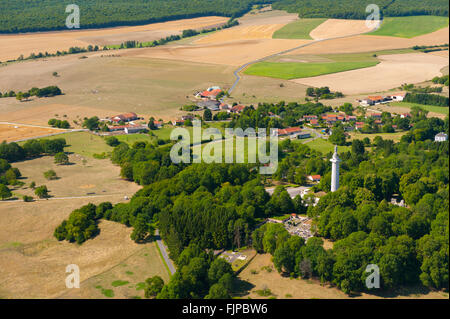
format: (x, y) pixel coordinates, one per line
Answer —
(335, 170)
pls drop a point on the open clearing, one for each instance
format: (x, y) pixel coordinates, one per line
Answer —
(368, 43)
(96, 177)
(15, 45)
(125, 279)
(392, 72)
(106, 86)
(298, 29)
(324, 146)
(284, 287)
(334, 28)
(32, 261)
(235, 53)
(10, 133)
(409, 27)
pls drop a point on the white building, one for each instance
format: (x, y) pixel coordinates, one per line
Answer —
(441, 137)
(335, 170)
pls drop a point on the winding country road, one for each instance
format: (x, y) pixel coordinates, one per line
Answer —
(164, 253)
(242, 67)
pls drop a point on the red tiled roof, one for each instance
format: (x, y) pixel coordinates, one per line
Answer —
(375, 98)
(289, 130)
(316, 177)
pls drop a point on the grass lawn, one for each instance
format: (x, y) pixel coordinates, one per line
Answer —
(325, 147)
(409, 27)
(386, 136)
(299, 29)
(430, 108)
(130, 139)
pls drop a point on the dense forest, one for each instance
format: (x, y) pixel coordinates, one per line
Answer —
(45, 15)
(356, 9)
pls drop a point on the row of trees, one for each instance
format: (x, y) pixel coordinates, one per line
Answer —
(426, 99)
(13, 152)
(44, 92)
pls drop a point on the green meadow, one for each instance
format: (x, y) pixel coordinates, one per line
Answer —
(299, 29)
(409, 27)
(429, 108)
(293, 70)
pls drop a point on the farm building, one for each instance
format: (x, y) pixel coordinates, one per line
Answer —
(237, 109)
(130, 129)
(314, 178)
(441, 137)
(126, 117)
(211, 105)
(290, 131)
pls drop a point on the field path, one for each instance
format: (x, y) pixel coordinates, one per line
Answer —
(242, 67)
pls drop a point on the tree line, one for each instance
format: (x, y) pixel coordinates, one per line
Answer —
(356, 9)
(426, 99)
(45, 15)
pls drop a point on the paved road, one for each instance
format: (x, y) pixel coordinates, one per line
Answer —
(164, 253)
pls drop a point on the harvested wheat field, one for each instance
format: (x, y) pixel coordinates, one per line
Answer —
(367, 43)
(393, 71)
(234, 53)
(334, 28)
(15, 45)
(284, 287)
(16, 132)
(241, 33)
(107, 85)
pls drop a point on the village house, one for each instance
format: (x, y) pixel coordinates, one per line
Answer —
(441, 137)
(290, 131)
(158, 124)
(359, 125)
(126, 117)
(314, 178)
(237, 109)
(398, 97)
(211, 93)
(405, 115)
(177, 122)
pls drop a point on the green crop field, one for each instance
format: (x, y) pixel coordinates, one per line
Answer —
(409, 27)
(292, 70)
(298, 29)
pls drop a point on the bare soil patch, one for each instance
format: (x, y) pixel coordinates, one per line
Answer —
(10, 133)
(393, 71)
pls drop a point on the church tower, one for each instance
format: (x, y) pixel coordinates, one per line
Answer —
(335, 171)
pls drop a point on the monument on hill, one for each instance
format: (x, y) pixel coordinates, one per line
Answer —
(335, 170)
